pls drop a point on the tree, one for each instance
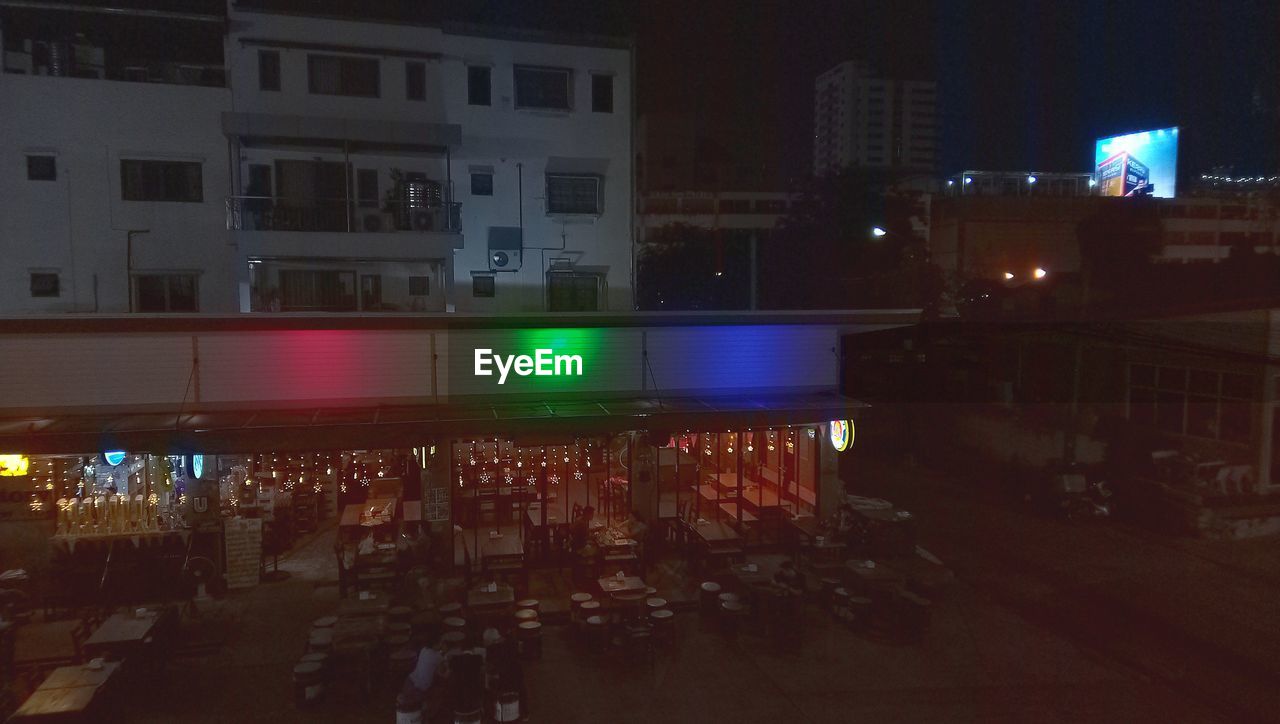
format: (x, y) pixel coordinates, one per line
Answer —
(682, 267)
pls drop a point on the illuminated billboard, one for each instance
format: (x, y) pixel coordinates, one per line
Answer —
(1137, 164)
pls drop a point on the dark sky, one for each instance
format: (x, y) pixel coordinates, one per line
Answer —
(1023, 83)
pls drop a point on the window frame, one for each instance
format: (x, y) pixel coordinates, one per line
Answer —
(168, 278)
(528, 103)
(426, 285)
(363, 200)
(263, 76)
(160, 182)
(42, 158)
(484, 286)
(596, 104)
(472, 89)
(482, 192)
(57, 284)
(314, 58)
(598, 209)
(575, 281)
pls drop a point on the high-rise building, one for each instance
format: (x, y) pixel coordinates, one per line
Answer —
(871, 122)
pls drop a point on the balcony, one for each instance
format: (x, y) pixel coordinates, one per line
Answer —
(274, 213)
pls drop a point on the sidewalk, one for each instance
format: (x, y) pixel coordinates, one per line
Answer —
(1196, 614)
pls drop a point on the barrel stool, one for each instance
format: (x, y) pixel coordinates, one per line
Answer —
(597, 633)
(709, 598)
(731, 613)
(529, 639)
(324, 622)
(455, 623)
(575, 606)
(308, 684)
(454, 639)
(401, 662)
(664, 625)
(449, 609)
(399, 614)
(587, 609)
(630, 605)
(469, 717)
(655, 603)
(828, 587)
(399, 628)
(526, 614)
(840, 605)
(317, 657)
(320, 640)
(530, 603)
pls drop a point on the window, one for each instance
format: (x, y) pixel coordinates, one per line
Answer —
(45, 284)
(42, 168)
(335, 75)
(573, 292)
(478, 88)
(316, 290)
(419, 286)
(165, 293)
(482, 285)
(573, 194)
(601, 93)
(269, 70)
(371, 292)
(160, 180)
(1184, 401)
(546, 88)
(415, 81)
(481, 184)
(735, 206)
(367, 187)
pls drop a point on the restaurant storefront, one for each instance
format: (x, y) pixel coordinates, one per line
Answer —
(494, 434)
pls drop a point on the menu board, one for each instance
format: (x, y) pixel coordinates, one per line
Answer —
(436, 506)
(244, 552)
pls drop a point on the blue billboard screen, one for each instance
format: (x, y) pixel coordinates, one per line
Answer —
(1137, 164)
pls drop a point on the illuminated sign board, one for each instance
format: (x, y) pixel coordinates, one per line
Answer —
(195, 466)
(114, 457)
(1137, 164)
(14, 466)
(841, 434)
(542, 363)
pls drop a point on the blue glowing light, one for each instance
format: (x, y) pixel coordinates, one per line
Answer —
(114, 457)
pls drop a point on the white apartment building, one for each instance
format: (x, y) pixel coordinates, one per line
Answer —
(341, 166)
(870, 122)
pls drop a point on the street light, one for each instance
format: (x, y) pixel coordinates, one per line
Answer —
(1039, 273)
(1031, 179)
(878, 231)
(1008, 276)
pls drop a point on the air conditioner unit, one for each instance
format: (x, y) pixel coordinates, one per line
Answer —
(504, 259)
(422, 219)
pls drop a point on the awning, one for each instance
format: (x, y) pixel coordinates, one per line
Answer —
(247, 431)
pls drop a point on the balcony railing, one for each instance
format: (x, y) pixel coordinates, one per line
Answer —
(274, 213)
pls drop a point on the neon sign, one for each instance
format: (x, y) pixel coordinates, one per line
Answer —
(841, 434)
(543, 363)
(196, 466)
(14, 466)
(113, 457)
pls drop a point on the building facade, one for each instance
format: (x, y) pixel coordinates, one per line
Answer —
(870, 122)
(408, 168)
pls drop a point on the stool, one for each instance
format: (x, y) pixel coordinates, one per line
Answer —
(664, 625)
(650, 590)
(454, 639)
(475, 716)
(530, 603)
(655, 603)
(399, 614)
(450, 609)
(402, 661)
(317, 657)
(730, 613)
(399, 628)
(828, 586)
(526, 614)
(859, 611)
(708, 597)
(455, 623)
(308, 684)
(630, 605)
(529, 639)
(324, 622)
(575, 606)
(597, 633)
(398, 641)
(840, 604)
(727, 597)
(321, 640)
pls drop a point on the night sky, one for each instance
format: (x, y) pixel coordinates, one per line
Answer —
(1025, 84)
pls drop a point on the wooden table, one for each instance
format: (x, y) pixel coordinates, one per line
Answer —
(627, 584)
(709, 492)
(40, 643)
(505, 545)
(748, 577)
(731, 511)
(714, 532)
(120, 634)
(49, 705)
(375, 605)
(879, 576)
(479, 600)
(70, 677)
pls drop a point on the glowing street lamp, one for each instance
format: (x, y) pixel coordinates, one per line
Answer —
(878, 232)
(1039, 273)
(1031, 179)
(1008, 276)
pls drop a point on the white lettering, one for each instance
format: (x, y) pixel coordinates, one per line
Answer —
(569, 360)
(542, 358)
(504, 370)
(483, 358)
(524, 365)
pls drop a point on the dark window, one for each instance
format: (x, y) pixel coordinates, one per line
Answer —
(735, 206)
(160, 181)
(308, 290)
(269, 70)
(370, 292)
(573, 194)
(44, 284)
(478, 89)
(367, 187)
(771, 206)
(335, 75)
(602, 93)
(574, 292)
(542, 88)
(415, 81)
(165, 293)
(482, 286)
(419, 286)
(1234, 385)
(482, 184)
(42, 168)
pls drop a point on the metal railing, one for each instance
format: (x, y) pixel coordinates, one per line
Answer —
(275, 213)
